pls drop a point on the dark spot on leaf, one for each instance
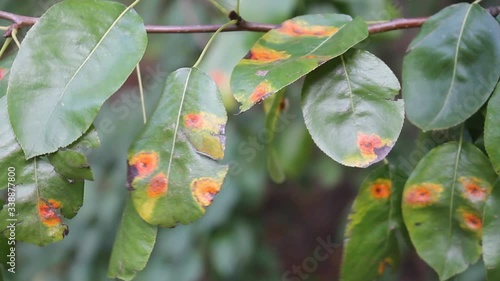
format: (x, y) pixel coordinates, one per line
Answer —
(131, 174)
(418, 224)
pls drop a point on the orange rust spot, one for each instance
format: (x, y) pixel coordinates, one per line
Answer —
(383, 264)
(381, 189)
(422, 194)
(473, 189)
(293, 28)
(55, 204)
(204, 190)
(145, 163)
(265, 55)
(48, 214)
(3, 71)
(194, 120)
(472, 221)
(368, 143)
(261, 92)
(158, 186)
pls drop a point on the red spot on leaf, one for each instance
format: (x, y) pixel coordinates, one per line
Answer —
(265, 55)
(204, 190)
(3, 71)
(48, 214)
(261, 92)
(158, 186)
(368, 143)
(422, 194)
(473, 189)
(381, 189)
(194, 120)
(472, 221)
(293, 28)
(143, 163)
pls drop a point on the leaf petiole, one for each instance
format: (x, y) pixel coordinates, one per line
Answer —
(5, 46)
(141, 92)
(203, 53)
(14, 36)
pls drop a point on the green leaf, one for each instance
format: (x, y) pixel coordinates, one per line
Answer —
(80, 52)
(43, 197)
(376, 213)
(273, 107)
(71, 162)
(492, 129)
(301, 44)
(133, 245)
(443, 204)
(349, 109)
(450, 72)
(491, 234)
(171, 166)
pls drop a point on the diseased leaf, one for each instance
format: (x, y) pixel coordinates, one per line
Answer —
(171, 166)
(443, 205)
(492, 129)
(292, 50)
(133, 245)
(273, 107)
(491, 234)
(349, 109)
(448, 74)
(55, 91)
(71, 162)
(376, 213)
(43, 197)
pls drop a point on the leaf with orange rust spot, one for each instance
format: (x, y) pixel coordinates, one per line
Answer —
(491, 234)
(173, 174)
(300, 44)
(443, 204)
(43, 197)
(376, 213)
(349, 108)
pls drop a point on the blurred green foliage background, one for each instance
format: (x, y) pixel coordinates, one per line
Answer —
(254, 229)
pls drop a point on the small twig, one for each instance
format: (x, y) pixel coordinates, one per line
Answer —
(396, 24)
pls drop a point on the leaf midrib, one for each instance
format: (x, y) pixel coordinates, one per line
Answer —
(177, 122)
(455, 62)
(126, 10)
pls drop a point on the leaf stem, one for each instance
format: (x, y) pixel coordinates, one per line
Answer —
(141, 92)
(4, 28)
(203, 53)
(477, 1)
(219, 7)
(238, 7)
(14, 36)
(5, 46)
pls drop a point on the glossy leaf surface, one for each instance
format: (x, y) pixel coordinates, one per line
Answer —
(443, 205)
(492, 129)
(70, 62)
(376, 213)
(43, 197)
(133, 245)
(491, 234)
(172, 167)
(5, 66)
(350, 111)
(448, 74)
(292, 50)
